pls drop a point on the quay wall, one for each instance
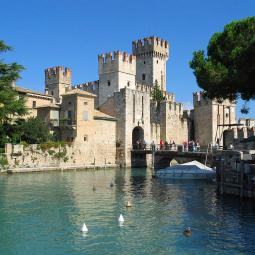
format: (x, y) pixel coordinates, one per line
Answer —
(72, 154)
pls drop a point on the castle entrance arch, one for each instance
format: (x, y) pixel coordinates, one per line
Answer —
(137, 135)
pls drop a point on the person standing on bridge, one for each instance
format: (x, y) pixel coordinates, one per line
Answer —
(161, 143)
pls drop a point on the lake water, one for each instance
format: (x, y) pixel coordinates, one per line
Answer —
(43, 213)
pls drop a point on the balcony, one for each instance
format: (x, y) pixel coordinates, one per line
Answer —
(67, 123)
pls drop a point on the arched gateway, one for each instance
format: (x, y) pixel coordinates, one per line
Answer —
(137, 134)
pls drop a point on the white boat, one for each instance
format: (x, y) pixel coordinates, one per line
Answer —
(193, 170)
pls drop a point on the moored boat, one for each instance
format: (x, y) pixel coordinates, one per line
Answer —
(193, 170)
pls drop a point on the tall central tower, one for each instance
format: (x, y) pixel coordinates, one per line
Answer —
(151, 56)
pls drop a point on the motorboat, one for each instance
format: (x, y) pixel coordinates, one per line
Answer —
(193, 170)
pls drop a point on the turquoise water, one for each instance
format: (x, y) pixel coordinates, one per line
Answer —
(43, 214)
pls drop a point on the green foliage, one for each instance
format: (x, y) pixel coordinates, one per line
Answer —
(228, 70)
(3, 161)
(34, 131)
(10, 104)
(157, 94)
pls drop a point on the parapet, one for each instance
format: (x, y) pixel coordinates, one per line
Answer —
(176, 107)
(148, 88)
(150, 45)
(91, 86)
(110, 57)
(117, 61)
(57, 71)
(199, 100)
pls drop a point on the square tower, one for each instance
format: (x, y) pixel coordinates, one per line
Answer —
(151, 56)
(116, 71)
(57, 81)
(211, 119)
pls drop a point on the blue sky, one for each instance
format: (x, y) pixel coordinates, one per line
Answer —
(47, 33)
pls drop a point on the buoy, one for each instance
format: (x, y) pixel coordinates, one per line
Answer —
(128, 204)
(121, 219)
(111, 185)
(84, 228)
(187, 232)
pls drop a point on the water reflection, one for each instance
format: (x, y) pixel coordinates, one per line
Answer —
(45, 212)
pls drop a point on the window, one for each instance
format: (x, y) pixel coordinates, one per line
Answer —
(85, 103)
(143, 76)
(85, 138)
(227, 115)
(108, 83)
(85, 115)
(128, 83)
(34, 104)
(157, 61)
(52, 93)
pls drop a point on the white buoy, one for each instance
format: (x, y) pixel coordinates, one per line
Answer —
(84, 228)
(121, 219)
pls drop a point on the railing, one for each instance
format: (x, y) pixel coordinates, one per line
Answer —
(67, 122)
(170, 147)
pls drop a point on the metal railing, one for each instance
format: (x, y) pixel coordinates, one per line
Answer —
(67, 122)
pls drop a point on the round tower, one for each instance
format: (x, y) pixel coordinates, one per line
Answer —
(151, 56)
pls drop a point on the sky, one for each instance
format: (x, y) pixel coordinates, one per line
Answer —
(46, 33)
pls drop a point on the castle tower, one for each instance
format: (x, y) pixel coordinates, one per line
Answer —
(57, 81)
(116, 71)
(209, 116)
(151, 56)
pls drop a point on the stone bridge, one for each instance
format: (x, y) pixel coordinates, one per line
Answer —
(162, 158)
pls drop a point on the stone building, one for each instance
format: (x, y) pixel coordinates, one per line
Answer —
(124, 90)
(211, 119)
(114, 112)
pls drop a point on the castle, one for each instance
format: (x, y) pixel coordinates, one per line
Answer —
(116, 110)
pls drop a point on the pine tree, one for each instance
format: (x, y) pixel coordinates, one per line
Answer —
(10, 104)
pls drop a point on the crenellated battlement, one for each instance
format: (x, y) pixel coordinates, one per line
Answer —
(117, 62)
(57, 71)
(91, 86)
(112, 57)
(200, 100)
(176, 107)
(147, 88)
(151, 45)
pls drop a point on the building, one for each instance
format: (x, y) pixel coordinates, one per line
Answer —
(118, 109)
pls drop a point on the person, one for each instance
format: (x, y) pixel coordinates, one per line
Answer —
(144, 145)
(166, 145)
(153, 146)
(161, 143)
(185, 145)
(231, 146)
(197, 146)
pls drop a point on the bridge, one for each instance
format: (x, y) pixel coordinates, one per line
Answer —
(162, 158)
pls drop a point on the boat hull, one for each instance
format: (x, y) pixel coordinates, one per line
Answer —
(186, 176)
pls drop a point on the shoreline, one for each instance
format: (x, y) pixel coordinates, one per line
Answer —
(41, 169)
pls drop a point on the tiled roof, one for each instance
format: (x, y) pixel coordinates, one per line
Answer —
(78, 92)
(26, 91)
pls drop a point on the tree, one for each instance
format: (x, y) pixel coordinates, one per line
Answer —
(228, 70)
(10, 104)
(34, 131)
(157, 94)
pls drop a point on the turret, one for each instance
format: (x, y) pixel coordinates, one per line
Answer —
(116, 70)
(57, 81)
(151, 54)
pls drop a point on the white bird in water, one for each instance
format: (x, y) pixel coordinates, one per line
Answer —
(84, 228)
(121, 219)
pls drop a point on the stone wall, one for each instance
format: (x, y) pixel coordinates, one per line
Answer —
(209, 116)
(76, 154)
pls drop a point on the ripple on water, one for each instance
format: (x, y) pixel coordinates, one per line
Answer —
(44, 213)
